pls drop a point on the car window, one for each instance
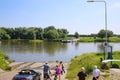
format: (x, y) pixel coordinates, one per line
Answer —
(25, 72)
(33, 72)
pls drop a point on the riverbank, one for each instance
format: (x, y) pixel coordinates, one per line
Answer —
(88, 61)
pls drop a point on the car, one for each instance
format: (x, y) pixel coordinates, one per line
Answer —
(27, 74)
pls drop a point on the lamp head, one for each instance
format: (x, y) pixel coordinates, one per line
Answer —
(90, 0)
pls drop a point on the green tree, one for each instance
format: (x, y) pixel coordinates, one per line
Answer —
(52, 34)
(109, 33)
(62, 33)
(49, 28)
(102, 33)
(11, 32)
(3, 34)
(19, 33)
(39, 33)
(31, 33)
(76, 35)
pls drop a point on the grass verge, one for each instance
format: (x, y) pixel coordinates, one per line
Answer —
(88, 61)
(4, 61)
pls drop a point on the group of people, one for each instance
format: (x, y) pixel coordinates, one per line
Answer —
(59, 70)
(82, 74)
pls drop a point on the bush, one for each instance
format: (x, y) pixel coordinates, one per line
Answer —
(89, 68)
(4, 61)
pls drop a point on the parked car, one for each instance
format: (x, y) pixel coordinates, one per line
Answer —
(27, 74)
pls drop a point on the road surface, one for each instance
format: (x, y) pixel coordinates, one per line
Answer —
(37, 66)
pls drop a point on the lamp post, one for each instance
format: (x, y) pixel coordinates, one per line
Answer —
(106, 43)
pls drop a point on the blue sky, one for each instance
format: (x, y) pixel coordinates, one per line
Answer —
(73, 15)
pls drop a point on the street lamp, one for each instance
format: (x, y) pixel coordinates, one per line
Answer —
(106, 43)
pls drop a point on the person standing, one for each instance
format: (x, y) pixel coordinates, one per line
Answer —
(62, 67)
(58, 72)
(96, 73)
(46, 71)
(82, 74)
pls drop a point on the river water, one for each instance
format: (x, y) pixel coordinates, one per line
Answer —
(49, 51)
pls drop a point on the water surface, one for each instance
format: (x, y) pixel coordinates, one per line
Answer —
(49, 51)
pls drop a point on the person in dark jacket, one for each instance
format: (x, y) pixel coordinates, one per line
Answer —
(82, 74)
(46, 71)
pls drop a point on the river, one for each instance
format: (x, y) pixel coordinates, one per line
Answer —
(24, 51)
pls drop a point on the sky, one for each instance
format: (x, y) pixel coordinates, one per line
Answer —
(74, 15)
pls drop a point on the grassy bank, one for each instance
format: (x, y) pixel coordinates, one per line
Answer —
(35, 41)
(4, 61)
(88, 61)
(92, 39)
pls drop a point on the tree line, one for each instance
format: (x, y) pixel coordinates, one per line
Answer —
(48, 33)
(32, 33)
(100, 34)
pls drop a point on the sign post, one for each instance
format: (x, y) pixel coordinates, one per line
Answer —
(107, 52)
